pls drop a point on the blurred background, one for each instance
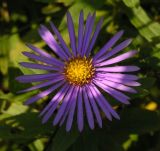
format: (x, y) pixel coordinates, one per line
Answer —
(20, 126)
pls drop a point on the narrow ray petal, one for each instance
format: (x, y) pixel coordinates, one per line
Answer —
(87, 33)
(51, 103)
(117, 86)
(100, 103)
(119, 69)
(119, 76)
(108, 45)
(37, 77)
(94, 107)
(102, 100)
(62, 42)
(50, 61)
(88, 109)
(72, 110)
(54, 103)
(39, 66)
(124, 81)
(94, 37)
(43, 93)
(44, 84)
(115, 50)
(68, 108)
(88, 21)
(39, 51)
(80, 119)
(118, 58)
(114, 93)
(62, 108)
(50, 40)
(80, 31)
(71, 33)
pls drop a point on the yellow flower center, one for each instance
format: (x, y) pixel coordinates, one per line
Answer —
(79, 71)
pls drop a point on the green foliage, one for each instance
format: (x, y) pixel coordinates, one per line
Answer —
(20, 125)
(148, 29)
(63, 140)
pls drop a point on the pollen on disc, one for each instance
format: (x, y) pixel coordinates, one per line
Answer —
(79, 71)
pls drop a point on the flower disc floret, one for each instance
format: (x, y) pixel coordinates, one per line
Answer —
(79, 71)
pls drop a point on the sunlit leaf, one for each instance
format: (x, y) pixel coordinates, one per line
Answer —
(139, 18)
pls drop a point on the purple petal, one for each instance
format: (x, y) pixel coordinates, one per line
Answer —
(37, 77)
(94, 37)
(50, 61)
(115, 50)
(108, 45)
(114, 93)
(68, 108)
(100, 103)
(80, 120)
(51, 42)
(94, 107)
(118, 58)
(39, 51)
(119, 69)
(72, 110)
(71, 33)
(41, 85)
(103, 102)
(87, 33)
(65, 113)
(38, 66)
(119, 76)
(62, 42)
(43, 93)
(54, 102)
(121, 80)
(88, 110)
(62, 108)
(80, 32)
(48, 106)
(117, 86)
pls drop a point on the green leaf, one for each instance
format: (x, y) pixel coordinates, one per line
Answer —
(4, 53)
(136, 121)
(16, 47)
(114, 134)
(63, 140)
(45, 1)
(93, 3)
(36, 145)
(23, 127)
(131, 3)
(138, 17)
(14, 85)
(16, 108)
(132, 138)
(86, 141)
(147, 82)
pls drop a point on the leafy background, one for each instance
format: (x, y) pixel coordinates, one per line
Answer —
(20, 126)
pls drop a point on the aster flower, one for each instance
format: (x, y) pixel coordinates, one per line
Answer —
(78, 77)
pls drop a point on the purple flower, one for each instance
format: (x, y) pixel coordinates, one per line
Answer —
(78, 78)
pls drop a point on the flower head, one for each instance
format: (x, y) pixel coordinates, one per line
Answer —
(80, 77)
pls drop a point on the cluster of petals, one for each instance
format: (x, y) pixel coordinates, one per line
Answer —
(78, 101)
